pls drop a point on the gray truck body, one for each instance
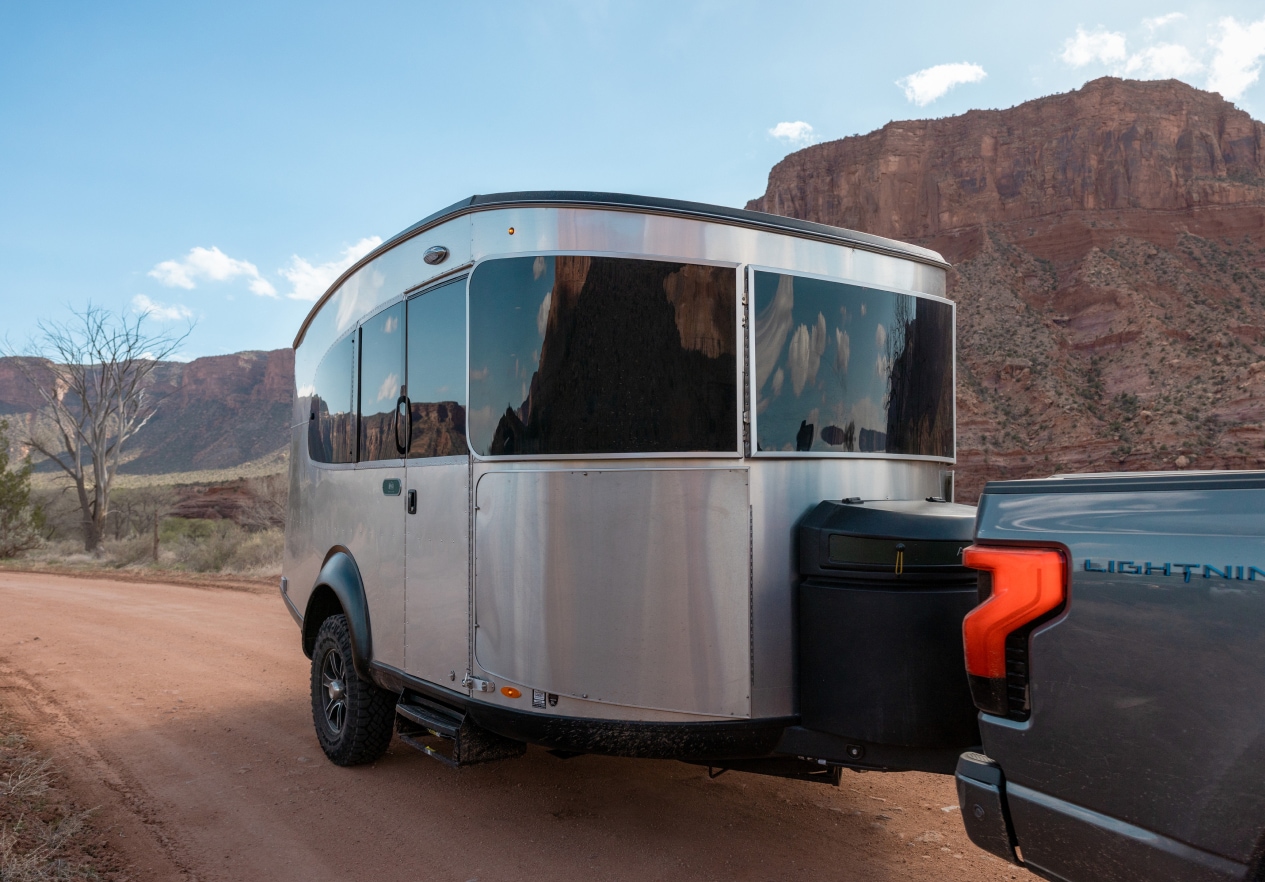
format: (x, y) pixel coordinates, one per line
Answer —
(1143, 756)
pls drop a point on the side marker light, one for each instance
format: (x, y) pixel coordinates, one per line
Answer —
(511, 692)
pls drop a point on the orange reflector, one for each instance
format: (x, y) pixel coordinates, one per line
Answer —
(511, 231)
(511, 692)
(1027, 584)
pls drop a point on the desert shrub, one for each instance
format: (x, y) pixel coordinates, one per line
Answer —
(19, 522)
(176, 529)
(62, 517)
(131, 551)
(205, 546)
(260, 551)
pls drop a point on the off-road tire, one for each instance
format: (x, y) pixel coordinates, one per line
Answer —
(359, 731)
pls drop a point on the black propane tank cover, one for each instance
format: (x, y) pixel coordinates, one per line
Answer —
(880, 622)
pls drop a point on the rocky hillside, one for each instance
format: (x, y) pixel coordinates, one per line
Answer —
(213, 413)
(1109, 253)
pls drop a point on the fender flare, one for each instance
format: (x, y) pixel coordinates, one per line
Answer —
(341, 576)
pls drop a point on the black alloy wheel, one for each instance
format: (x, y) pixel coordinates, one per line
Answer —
(354, 718)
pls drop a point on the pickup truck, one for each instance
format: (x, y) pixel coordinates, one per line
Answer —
(1118, 663)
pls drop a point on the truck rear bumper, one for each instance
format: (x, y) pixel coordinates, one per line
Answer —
(1062, 841)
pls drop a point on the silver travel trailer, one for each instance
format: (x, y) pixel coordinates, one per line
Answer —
(632, 476)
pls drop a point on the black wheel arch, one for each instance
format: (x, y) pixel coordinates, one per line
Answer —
(339, 589)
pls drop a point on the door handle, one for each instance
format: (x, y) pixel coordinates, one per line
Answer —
(412, 502)
(407, 419)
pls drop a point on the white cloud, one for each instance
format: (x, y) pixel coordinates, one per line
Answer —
(171, 356)
(1107, 47)
(798, 133)
(1161, 62)
(882, 367)
(389, 388)
(1237, 63)
(868, 415)
(804, 356)
(1110, 48)
(1154, 24)
(142, 305)
(542, 314)
(843, 349)
(309, 281)
(772, 324)
(211, 264)
(927, 85)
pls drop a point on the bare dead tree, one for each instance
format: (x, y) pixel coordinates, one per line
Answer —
(94, 386)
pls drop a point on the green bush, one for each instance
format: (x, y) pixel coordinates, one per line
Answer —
(19, 522)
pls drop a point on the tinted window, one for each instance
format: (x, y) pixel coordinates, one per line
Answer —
(437, 371)
(382, 431)
(580, 355)
(332, 428)
(842, 367)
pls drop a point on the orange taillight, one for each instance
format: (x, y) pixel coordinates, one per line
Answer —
(1027, 584)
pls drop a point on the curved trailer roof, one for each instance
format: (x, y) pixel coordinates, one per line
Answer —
(646, 205)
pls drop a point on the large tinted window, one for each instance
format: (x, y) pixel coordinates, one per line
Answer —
(383, 429)
(583, 355)
(843, 367)
(332, 428)
(437, 372)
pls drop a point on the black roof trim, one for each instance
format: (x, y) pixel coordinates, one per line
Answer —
(1137, 482)
(623, 201)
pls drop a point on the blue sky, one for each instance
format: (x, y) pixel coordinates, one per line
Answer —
(221, 162)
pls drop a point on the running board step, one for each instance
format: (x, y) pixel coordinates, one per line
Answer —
(419, 721)
(442, 723)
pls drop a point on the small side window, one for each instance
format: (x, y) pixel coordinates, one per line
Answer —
(332, 427)
(437, 372)
(383, 415)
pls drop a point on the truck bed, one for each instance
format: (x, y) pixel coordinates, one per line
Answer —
(1141, 754)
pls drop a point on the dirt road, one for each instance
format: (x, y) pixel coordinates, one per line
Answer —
(184, 714)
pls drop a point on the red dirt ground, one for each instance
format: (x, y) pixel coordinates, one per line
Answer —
(183, 713)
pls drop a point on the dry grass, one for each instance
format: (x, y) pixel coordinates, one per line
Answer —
(185, 547)
(272, 464)
(43, 835)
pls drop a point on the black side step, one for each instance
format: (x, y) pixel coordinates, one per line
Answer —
(419, 720)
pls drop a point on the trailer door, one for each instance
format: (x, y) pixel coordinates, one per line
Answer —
(438, 481)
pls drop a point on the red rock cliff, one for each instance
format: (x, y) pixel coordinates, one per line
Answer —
(213, 413)
(1109, 270)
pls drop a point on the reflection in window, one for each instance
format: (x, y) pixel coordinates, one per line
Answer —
(382, 431)
(841, 368)
(332, 427)
(437, 372)
(583, 355)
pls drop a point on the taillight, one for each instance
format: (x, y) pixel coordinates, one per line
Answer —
(1027, 583)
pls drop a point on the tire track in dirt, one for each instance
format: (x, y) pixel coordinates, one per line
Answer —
(49, 723)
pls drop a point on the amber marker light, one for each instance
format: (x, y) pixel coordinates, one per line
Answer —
(511, 231)
(511, 692)
(1027, 583)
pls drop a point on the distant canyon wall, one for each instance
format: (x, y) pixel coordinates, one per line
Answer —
(1109, 267)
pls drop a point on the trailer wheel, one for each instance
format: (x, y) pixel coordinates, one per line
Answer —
(354, 718)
